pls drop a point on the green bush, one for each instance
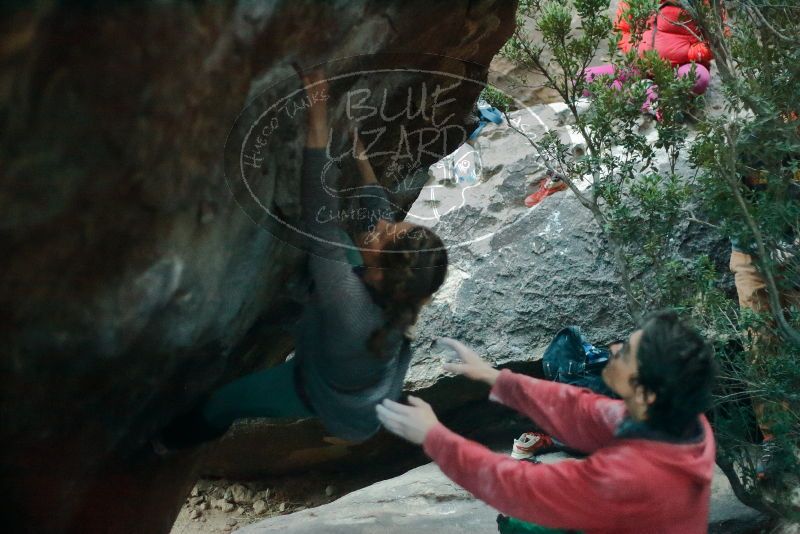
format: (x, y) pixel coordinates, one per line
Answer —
(643, 208)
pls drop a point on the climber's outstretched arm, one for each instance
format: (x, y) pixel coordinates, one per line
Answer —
(317, 116)
(362, 161)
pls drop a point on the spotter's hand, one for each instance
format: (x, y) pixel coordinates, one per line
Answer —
(411, 422)
(470, 365)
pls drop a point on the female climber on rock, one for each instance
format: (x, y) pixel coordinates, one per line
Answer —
(351, 346)
(672, 33)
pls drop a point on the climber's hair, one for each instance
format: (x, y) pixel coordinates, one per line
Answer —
(677, 364)
(414, 266)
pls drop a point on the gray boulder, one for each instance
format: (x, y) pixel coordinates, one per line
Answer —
(425, 500)
(518, 274)
(422, 500)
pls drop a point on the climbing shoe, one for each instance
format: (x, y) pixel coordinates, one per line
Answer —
(529, 444)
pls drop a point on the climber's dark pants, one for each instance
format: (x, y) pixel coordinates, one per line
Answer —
(270, 393)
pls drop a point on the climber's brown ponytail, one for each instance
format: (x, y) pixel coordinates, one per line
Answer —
(414, 266)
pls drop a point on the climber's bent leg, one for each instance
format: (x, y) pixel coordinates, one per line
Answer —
(268, 393)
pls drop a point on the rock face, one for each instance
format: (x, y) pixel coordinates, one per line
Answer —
(132, 281)
(424, 500)
(517, 274)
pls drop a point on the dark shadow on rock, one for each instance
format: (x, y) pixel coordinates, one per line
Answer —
(132, 282)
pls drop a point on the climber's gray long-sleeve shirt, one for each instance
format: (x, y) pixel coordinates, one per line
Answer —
(343, 379)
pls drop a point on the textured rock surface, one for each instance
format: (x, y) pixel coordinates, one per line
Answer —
(132, 282)
(424, 500)
(517, 274)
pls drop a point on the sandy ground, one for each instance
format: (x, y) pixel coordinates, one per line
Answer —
(205, 510)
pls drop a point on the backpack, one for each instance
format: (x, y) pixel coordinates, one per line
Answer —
(570, 359)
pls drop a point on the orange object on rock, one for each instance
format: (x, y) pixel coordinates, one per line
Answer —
(548, 187)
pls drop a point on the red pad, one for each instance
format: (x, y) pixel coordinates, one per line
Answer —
(546, 188)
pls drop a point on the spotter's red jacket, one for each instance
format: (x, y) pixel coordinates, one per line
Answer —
(634, 480)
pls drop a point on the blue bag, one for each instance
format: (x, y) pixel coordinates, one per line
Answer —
(570, 359)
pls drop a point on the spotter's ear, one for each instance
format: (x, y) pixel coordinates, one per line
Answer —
(643, 396)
